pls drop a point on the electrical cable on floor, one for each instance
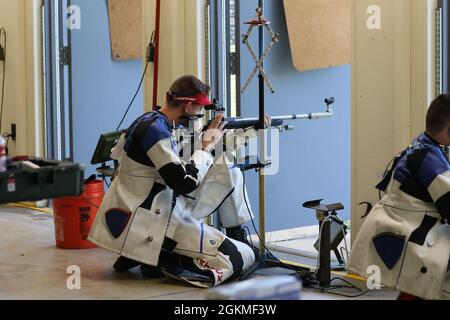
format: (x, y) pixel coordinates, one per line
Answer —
(302, 276)
(31, 207)
(313, 278)
(2, 100)
(349, 285)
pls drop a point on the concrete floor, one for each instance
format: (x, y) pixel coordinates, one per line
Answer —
(31, 267)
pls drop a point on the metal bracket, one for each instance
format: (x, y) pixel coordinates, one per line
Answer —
(64, 56)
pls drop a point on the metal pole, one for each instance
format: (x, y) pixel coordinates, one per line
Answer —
(225, 50)
(70, 94)
(208, 43)
(211, 219)
(262, 146)
(156, 63)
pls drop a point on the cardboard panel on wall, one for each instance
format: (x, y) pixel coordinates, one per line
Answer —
(125, 23)
(319, 32)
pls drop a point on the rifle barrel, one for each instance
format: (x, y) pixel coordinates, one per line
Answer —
(277, 121)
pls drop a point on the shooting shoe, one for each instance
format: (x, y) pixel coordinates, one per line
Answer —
(124, 264)
(239, 234)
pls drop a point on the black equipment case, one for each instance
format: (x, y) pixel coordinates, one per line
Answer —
(52, 179)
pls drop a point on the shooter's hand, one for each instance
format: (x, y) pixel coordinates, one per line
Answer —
(214, 134)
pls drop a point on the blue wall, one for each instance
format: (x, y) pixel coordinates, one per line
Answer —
(315, 158)
(102, 88)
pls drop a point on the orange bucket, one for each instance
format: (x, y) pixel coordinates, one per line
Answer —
(74, 217)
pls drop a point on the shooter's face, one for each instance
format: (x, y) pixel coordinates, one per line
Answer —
(191, 112)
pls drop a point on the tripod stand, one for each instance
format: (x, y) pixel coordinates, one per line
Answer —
(265, 259)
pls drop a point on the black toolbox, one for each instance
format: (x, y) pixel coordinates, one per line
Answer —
(43, 179)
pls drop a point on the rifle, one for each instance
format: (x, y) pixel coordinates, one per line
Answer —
(277, 121)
